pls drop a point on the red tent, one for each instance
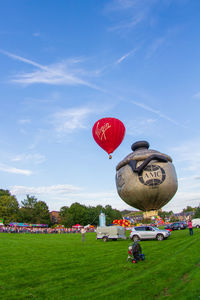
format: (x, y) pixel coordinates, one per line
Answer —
(77, 226)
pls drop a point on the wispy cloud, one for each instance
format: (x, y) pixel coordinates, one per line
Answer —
(56, 74)
(24, 121)
(154, 46)
(70, 119)
(188, 194)
(157, 112)
(163, 40)
(188, 155)
(138, 11)
(22, 59)
(34, 158)
(197, 95)
(36, 34)
(182, 200)
(14, 170)
(139, 126)
(187, 160)
(122, 58)
(60, 189)
(60, 195)
(120, 4)
(128, 24)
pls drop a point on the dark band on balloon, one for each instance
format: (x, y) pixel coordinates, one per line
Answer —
(133, 163)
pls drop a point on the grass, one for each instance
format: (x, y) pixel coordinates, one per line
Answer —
(63, 267)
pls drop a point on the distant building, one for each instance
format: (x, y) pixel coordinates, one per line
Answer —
(132, 216)
(184, 215)
(55, 217)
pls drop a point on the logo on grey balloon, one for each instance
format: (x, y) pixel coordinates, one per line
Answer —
(152, 175)
(120, 180)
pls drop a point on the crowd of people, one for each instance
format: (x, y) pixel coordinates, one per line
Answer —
(36, 230)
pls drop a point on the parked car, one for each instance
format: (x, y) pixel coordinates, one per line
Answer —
(176, 226)
(148, 232)
(196, 223)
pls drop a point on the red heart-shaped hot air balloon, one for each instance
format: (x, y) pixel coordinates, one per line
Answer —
(108, 134)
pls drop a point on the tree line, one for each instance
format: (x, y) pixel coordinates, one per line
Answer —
(87, 214)
(34, 211)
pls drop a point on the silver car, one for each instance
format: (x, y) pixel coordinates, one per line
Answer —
(148, 232)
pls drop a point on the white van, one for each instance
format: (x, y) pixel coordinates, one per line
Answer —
(196, 223)
(110, 232)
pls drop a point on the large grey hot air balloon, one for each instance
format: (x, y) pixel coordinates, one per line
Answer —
(146, 179)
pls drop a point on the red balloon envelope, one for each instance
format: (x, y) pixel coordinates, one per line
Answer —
(108, 133)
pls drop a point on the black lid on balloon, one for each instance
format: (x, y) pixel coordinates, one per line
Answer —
(140, 144)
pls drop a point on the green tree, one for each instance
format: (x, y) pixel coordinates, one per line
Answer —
(34, 211)
(197, 213)
(4, 192)
(29, 202)
(93, 215)
(79, 213)
(84, 215)
(188, 209)
(111, 214)
(66, 216)
(41, 212)
(9, 207)
(27, 211)
(74, 214)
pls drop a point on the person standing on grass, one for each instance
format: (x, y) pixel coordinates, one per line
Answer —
(190, 227)
(83, 234)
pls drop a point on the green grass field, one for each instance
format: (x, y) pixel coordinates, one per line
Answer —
(63, 267)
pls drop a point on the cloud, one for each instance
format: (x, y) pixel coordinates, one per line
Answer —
(14, 170)
(133, 6)
(34, 158)
(66, 121)
(60, 195)
(36, 34)
(126, 25)
(22, 59)
(154, 47)
(157, 112)
(197, 95)
(122, 58)
(24, 121)
(69, 120)
(139, 126)
(188, 156)
(55, 190)
(131, 12)
(121, 4)
(182, 200)
(55, 74)
(184, 197)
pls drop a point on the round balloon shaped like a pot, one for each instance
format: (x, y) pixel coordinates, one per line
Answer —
(146, 179)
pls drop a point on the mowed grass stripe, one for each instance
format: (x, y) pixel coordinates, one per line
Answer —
(63, 267)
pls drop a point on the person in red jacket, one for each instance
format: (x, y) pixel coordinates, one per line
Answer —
(190, 227)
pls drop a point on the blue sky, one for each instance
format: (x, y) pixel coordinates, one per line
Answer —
(66, 64)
